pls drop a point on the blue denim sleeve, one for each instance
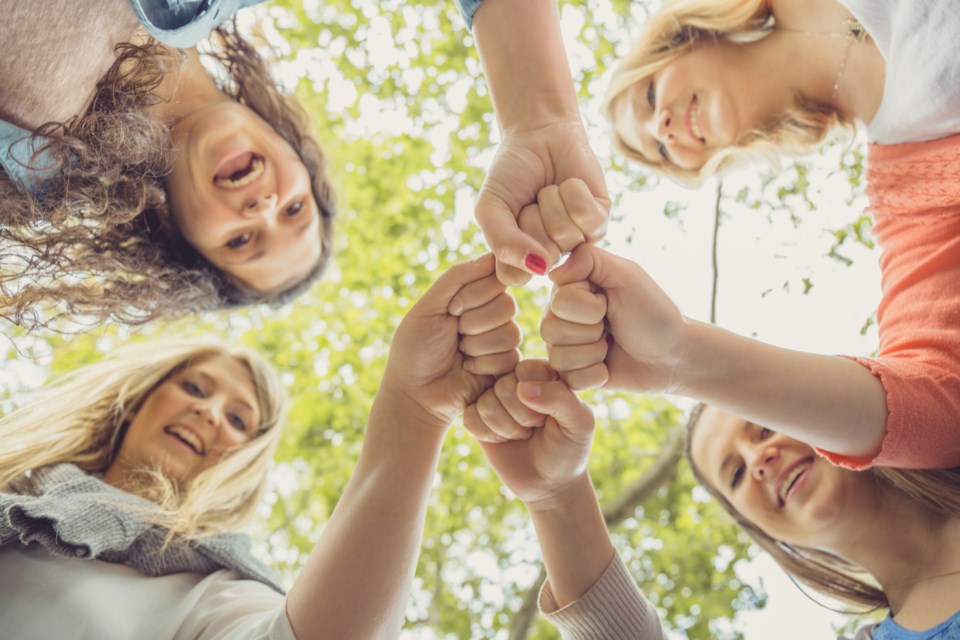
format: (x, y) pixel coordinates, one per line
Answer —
(467, 9)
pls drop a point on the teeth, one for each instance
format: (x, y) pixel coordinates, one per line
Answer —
(694, 120)
(790, 479)
(254, 171)
(187, 436)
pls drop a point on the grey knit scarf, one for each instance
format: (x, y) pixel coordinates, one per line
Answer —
(76, 515)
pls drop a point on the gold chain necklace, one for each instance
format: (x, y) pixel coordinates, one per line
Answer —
(854, 32)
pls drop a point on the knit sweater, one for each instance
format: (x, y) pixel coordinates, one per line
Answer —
(914, 192)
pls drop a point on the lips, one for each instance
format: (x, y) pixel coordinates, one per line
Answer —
(188, 437)
(240, 171)
(693, 120)
(789, 477)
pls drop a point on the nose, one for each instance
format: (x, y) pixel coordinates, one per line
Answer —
(260, 205)
(210, 411)
(659, 126)
(761, 462)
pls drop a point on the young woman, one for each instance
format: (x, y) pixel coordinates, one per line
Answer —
(881, 538)
(709, 84)
(168, 186)
(125, 485)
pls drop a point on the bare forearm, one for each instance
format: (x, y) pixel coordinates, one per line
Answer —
(521, 49)
(357, 580)
(575, 543)
(826, 401)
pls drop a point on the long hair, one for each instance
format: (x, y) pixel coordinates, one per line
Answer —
(82, 418)
(675, 30)
(99, 244)
(936, 490)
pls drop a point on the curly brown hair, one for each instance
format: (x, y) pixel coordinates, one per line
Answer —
(98, 243)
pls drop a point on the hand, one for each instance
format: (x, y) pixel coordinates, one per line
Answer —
(453, 342)
(526, 162)
(535, 432)
(646, 334)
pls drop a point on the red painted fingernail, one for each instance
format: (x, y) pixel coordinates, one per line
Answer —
(535, 263)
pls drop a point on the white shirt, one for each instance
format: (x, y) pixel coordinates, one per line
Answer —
(44, 596)
(920, 44)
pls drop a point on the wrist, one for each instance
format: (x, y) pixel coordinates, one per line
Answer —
(400, 405)
(563, 502)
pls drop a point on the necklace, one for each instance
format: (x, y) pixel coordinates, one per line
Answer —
(854, 32)
(887, 587)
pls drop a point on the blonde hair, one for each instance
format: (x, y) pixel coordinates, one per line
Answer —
(936, 490)
(81, 419)
(674, 31)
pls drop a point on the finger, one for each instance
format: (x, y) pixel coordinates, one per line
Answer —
(499, 420)
(510, 245)
(506, 391)
(603, 269)
(571, 358)
(496, 364)
(531, 223)
(588, 378)
(557, 222)
(504, 338)
(584, 211)
(511, 276)
(535, 370)
(475, 294)
(555, 399)
(555, 331)
(437, 298)
(491, 315)
(578, 302)
(475, 425)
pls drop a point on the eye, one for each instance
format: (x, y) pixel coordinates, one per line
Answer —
(765, 433)
(192, 388)
(662, 150)
(737, 476)
(238, 422)
(239, 241)
(293, 209)
(651, 97)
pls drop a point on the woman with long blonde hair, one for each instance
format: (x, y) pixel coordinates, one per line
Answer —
(139, 180)
(125, 486)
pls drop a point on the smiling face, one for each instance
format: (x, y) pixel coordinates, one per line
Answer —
(780, 484)
(242, 197)
(705, 100)
(189, 421)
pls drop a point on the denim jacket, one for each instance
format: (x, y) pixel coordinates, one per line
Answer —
(183, 23)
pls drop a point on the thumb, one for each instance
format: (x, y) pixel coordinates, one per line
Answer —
(437, 298)
(603, 269)
(555, 399)
(510, 245)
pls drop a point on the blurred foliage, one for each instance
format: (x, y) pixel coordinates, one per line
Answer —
(401, 192)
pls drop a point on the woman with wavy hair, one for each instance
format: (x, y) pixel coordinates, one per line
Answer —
(124, 487)
(177, 187)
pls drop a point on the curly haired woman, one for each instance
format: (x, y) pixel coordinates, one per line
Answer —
(168, 186)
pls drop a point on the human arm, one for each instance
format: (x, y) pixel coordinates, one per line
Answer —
(588, 593)
(356, 582)
(543, 139)
(829, 402)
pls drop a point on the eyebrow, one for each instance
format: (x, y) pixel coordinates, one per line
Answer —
(210, 380)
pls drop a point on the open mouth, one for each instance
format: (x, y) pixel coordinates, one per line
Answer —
(187, 437)
(693, 120)
(792, 477)
(240, 172)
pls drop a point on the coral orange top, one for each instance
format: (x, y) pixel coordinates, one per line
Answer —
(914, 193)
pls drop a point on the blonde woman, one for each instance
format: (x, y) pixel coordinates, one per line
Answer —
(125, 486)
(877, 539)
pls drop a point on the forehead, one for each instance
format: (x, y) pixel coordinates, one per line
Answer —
(712, 437)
